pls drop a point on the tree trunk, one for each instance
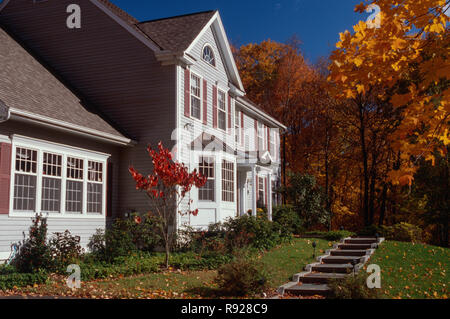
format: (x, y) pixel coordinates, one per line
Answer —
(383, 205)
(362, 132)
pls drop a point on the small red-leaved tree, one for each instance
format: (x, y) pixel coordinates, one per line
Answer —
(166, 188)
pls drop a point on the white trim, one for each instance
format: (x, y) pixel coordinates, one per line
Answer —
(192, 73)
(44, 146)
(207, 44)
(223, 42)
(53, 123)
(219, 89)
(248, 107)
(5, 139)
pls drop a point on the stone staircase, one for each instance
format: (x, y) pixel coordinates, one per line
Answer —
(342, 260)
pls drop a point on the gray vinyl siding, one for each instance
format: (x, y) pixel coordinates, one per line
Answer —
(13, 228)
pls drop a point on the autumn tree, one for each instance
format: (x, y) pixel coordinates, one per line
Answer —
(166, 187)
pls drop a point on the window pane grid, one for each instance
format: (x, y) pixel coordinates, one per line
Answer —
(227, 181)
(74, 197)
(26, 160)
(94, 200)
(95, 172)
(51, 195)
(24, 192)
(52, 165)
(195, 97)
(206, 168)
(75, 168)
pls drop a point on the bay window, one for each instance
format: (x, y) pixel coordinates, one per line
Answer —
(54, 180)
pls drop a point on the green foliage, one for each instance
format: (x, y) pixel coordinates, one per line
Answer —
(352, 287)
(404, 232)
(331, 235)
(65, 249)
(307, 199)
(34, 253)
(13, 279)
(243, 276)
(288, 219)
(122, 266)
(192, 261)
(123, 238)
(7, 270)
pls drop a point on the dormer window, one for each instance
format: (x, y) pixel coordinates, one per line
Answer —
(208, 55)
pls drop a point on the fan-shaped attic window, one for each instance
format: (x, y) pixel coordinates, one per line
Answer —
(208, 55)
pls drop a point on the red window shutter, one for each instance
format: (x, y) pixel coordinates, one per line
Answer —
(5, 176)
(109, 190)
(256, 136)
(229, 115)
(268, 139)
(187, 93)
(214, 106)
(205, 102)
(266, 190)
(242, 128)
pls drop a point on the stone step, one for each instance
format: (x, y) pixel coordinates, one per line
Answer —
(346, 252)
(320, 278)
(361, 241)
(354, 246)
(308, 290)
(340, 259)
(333, 268)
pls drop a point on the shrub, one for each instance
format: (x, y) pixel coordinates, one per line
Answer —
(331, 235)
(123, 238)
(288, 219)
(254, 232)
(243, 276)
(65, 249)
(11, 280)
(34, 253)
(352, 287)
(404, 232)
(7, 270)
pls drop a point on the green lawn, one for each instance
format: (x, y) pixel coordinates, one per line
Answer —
(413, 270)
(288, 259)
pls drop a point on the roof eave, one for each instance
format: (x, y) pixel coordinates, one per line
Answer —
(260, 113)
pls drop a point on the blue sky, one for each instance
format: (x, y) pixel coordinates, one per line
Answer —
(316, 22)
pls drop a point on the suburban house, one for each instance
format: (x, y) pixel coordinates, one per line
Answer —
(79, 105)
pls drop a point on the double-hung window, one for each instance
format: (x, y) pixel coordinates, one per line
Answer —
(222, 110)
(272, 143)
(206, 169)
(261, 144)
(237, 127)
(95, 187)
(51, 183)
(25, 180)
(195, 97)
(57, 179)
(227, 181)
(261, 191)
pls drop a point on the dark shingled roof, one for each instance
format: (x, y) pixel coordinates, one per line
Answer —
(176, 33)
(28, 86)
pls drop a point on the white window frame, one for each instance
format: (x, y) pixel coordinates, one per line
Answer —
(219, 110)
(214, 179)
(261, 136)
(237, 127)
(223, 180)
(262, 189)
(272, 143)
(66, 151)
(200, 97)
(213, 53)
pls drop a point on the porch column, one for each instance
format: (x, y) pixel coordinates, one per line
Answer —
(269, 196)
(254, 181)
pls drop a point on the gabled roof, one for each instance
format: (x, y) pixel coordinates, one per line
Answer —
(28, 88)
(176, 34)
